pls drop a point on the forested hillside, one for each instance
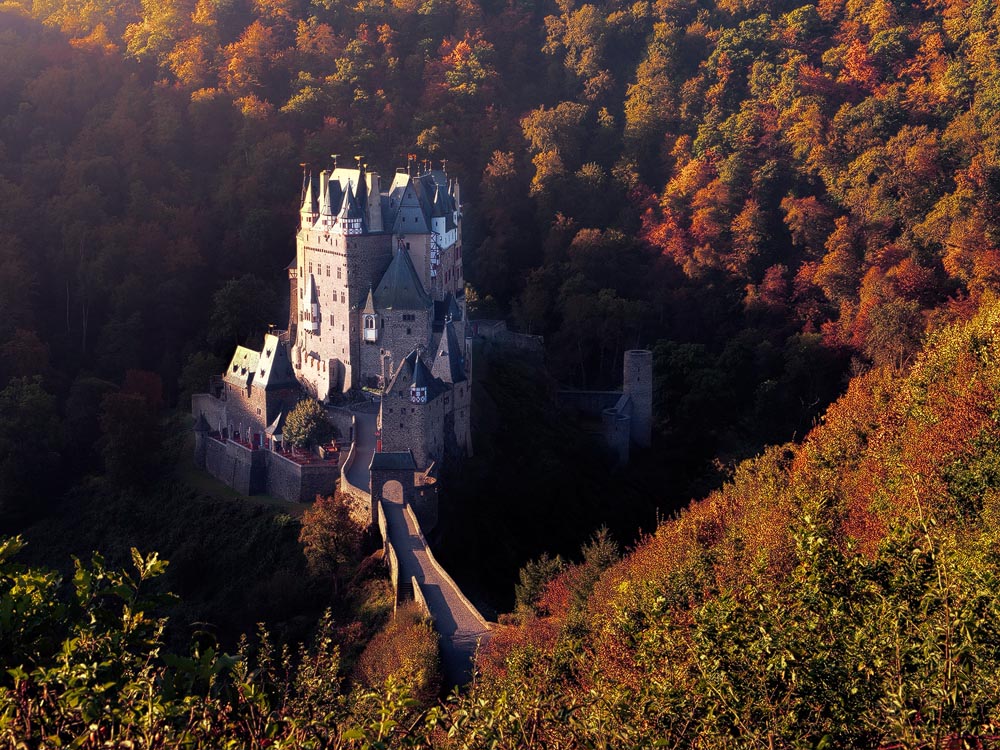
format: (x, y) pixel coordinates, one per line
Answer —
(784, 200)
(763, 190)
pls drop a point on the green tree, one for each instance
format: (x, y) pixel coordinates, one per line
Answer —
(307, 425)
(533, 578)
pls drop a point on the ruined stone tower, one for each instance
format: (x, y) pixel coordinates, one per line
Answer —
(638, 386)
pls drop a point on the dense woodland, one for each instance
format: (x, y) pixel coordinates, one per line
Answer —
(788, 202)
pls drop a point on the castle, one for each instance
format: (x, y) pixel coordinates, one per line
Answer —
(377, 303)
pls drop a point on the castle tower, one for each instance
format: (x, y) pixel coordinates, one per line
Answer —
(353, 315)
(638, 386)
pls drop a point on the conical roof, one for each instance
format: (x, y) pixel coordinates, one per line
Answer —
(309, 202)
(349, 208)
(421, 375)
(369, 302)
(413, 373)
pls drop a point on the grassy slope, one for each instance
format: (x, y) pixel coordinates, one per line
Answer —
(234, 561)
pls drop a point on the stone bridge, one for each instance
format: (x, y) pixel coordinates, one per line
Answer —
(459, 624)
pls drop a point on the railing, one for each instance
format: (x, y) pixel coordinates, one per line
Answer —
(420, 599)
(393, 559)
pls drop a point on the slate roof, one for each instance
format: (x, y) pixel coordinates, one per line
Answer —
(243, 367)
(400, 287)
(331, 195)
(350, 209)
(449, 364)
(407, 207)
(397, 460)
(411, 214)
(445, 309)
(309, 196)
(274, 370)
(413, 372)
(369, 302)
(439, 209)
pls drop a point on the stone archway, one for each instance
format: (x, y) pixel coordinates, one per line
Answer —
(392, 491)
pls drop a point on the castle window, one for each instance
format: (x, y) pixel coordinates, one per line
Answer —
(371, 332)
(338, 273)
(341, 298)
(328, 270)
(418, 395)
(331, 318)
(408, 332)
(310, 267)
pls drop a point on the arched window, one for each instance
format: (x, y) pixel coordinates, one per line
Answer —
(371, 328)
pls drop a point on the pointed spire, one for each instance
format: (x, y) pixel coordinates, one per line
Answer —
(307, 191)
(421, 375)
(350, 209)
(369, 302)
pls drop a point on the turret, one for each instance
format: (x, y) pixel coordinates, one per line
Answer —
(310, 205)
(369, 319)
(351, 216)
(326, 212)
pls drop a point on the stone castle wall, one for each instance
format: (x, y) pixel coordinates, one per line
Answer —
(299, 483)
(241, 468)
(263, 471)
(497, 331)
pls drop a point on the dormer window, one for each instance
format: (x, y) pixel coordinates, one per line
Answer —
(418, 395)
